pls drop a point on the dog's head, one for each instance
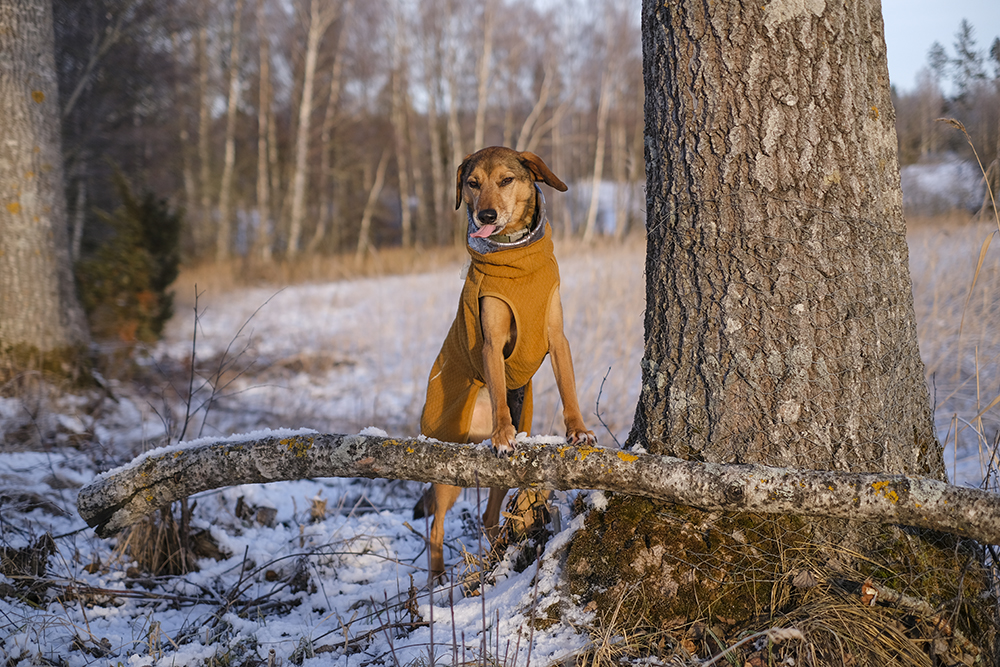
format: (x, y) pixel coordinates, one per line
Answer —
(498, 186)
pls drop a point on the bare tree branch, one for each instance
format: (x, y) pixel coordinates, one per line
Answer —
(112, 35)
(118, 499)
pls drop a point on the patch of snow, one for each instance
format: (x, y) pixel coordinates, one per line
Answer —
(930, 189)
(597, 500)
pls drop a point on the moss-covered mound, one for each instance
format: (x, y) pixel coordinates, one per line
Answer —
(859, 592)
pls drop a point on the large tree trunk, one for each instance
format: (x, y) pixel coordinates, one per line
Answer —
(39, 310)
(779, 321)
(779, 331)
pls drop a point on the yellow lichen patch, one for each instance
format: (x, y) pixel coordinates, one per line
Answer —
(583, 452)
(299, 446)
(883, 488)
(627, 457)
(38, 96)
(873, 112)
(14, 207)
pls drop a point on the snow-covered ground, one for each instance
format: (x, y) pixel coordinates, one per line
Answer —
(333, 573)
(334, 357)
(946, 184)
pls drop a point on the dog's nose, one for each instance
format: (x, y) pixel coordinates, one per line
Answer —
(487, 216)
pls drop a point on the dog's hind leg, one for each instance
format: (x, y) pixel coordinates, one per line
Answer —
(444, 497)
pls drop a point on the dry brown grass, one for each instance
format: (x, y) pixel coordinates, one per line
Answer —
(222, 277)
(958, 325)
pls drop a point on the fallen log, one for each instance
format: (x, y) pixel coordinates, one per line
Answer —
(121, 497)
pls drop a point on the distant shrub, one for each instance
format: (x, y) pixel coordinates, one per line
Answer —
(123, 285)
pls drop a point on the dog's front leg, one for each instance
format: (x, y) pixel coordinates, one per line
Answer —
(562, 368)
(497, 322)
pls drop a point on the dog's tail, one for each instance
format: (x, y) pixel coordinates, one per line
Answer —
(426, 505)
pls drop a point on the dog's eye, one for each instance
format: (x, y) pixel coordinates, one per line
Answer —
(472, 184)
(507, 181)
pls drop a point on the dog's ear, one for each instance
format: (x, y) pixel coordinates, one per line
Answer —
(541, 171)
(459, 177)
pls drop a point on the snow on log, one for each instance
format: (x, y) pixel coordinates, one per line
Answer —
(119, 498)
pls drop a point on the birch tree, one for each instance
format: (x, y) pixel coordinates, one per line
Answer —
(432, 54)
(326, 143)
(262, 241)
(398, 83)
(321, 16)
(483, 75)
(204, 225)
(223, 235)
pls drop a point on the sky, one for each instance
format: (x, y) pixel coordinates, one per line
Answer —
(911, 26)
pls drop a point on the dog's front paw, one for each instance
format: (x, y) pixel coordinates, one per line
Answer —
(503, 440)
(580, 436)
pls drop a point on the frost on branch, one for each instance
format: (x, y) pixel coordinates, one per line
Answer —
(119, 498)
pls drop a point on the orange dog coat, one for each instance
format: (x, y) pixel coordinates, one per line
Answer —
(525, 277)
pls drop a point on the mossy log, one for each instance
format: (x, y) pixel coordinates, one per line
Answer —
(119, 498)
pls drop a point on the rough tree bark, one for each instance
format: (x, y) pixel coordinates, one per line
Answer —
(779, 323)
(779, 328)
(39, 311)
(158, 478)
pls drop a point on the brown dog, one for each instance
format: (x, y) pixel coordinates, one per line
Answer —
(509, 317)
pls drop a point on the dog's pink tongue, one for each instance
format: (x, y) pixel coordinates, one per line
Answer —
(483, 232)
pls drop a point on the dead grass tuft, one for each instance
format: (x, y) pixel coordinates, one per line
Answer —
(162, 545)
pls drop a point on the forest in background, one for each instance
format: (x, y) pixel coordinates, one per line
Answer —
(316, 126)
(283, 128)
